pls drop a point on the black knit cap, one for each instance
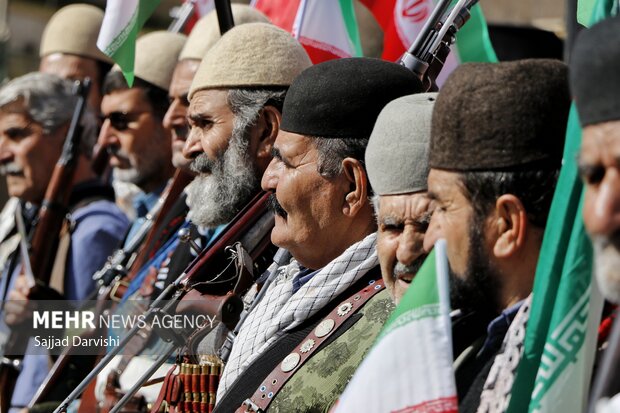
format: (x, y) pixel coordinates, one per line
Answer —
(342, 98)
(498, 116)
(595, 72)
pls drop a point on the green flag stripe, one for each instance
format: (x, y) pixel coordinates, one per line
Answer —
(472, 42)
(350, 21)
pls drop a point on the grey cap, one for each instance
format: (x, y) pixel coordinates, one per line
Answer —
(397, 153)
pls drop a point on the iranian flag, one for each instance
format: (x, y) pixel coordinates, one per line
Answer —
(410, 364)
(560, 340)
(402, 21)
(122, 21)
(327, 29)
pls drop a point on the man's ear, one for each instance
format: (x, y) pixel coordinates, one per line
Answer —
(357, 195)
(269, 126)
(511, 226)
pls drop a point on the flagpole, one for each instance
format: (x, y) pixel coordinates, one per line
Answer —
(224, 15)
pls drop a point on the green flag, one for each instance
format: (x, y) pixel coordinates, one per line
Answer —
(555, 370)
(122, 21)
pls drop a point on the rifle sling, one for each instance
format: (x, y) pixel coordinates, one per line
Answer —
(263, 396)
(257, 372)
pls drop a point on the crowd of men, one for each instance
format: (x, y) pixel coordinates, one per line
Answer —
(365, 171)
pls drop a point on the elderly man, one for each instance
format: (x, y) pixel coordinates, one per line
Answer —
(323, 289)
(132, 130)
(595, 84)
(35, 111)
(69, 48)
(492, 178)
(204, 35)
(397, 163)
(251, 100)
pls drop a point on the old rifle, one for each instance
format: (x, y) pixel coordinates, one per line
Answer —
(45, 238)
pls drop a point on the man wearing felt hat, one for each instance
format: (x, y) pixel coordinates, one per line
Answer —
(132, 131)
(397, 164)
(204, 35)
(496, 146)
(595, 84)
(173, 257)
(324, 290)
(69, 48)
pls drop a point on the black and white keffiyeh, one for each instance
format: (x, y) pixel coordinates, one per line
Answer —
(497, 388)
(280, 310)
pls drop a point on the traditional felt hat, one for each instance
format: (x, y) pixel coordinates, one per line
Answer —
(595, 72)
(206, 32)
(156, 56)
(494, 116)
(397, 152)
(74, 30)
(342, 98)
(251, 55)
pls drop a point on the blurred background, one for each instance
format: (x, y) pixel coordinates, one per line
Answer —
(518, 29)
(524, 28)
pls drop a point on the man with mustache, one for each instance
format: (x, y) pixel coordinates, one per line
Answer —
(397, 164)
(132, 130)
(493, 172)
(327, 272)
(35, 111)
(172, 258)
(595, 83)
(203, 36)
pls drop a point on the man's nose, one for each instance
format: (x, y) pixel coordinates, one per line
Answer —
(269, 180)
(410, 245)
(107, 135)
(175, 115)
(192, 147)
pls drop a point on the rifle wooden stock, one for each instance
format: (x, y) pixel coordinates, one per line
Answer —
(45, 238)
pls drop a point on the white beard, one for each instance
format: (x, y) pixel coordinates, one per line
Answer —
(607, 268)
(223, 186)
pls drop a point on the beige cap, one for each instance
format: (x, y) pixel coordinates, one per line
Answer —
(74, 30)
(253, 54)
(206, 32)
(156, 56)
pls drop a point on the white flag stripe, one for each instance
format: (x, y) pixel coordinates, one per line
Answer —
(120, 16)
(320, 24)
(411, 363)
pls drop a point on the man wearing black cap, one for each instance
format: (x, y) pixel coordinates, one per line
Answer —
(595, 84)
(496, 146)
(324, 291)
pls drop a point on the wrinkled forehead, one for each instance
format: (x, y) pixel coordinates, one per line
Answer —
(17, 106)
(601, 142)
(404, 206)
(209, 102)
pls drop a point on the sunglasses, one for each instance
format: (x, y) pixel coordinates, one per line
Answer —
(121, 120)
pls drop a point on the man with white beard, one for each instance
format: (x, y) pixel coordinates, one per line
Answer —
(243, 126)
(234, 113)
(595, 83)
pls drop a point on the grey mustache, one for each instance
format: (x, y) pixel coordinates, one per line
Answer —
(413, 268)
(10, 168)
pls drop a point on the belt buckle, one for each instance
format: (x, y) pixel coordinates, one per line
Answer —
(251, 407)
(115, 288)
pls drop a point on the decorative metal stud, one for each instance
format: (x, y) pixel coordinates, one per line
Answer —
(344, 309)
(324, 327)
(307, 345)
(290, 362)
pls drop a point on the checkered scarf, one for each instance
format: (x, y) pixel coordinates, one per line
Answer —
(498, 385)
(280, 310)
